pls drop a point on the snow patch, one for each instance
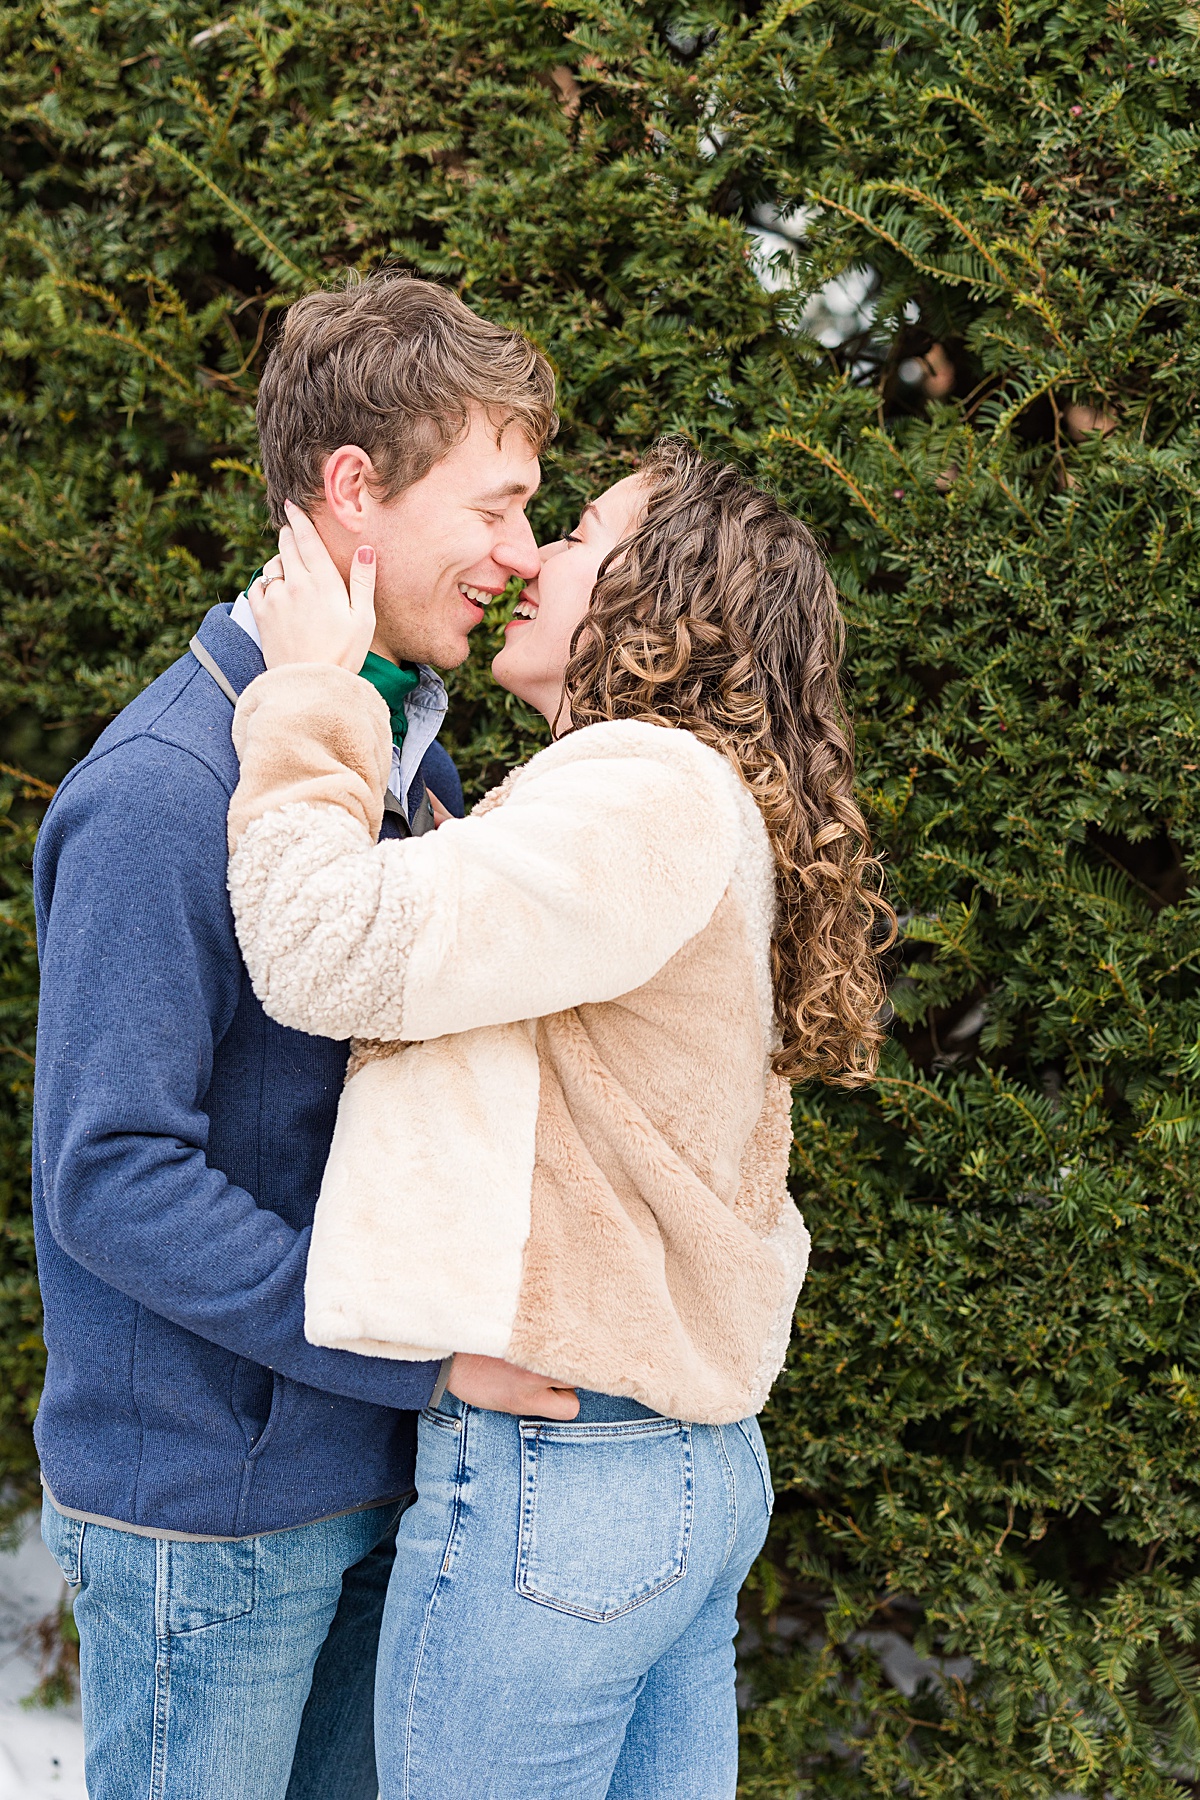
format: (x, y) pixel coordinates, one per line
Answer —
(41, 1749)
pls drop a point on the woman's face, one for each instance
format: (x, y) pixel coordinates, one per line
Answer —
(537, 641)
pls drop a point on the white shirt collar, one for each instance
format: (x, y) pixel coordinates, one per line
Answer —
(243, 614)
(425, 707)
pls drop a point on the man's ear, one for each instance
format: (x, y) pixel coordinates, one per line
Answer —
(347, 480)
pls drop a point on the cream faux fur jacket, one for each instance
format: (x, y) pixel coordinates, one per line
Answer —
(560, 1140)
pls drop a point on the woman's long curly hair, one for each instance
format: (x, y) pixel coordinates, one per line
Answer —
(717, 615)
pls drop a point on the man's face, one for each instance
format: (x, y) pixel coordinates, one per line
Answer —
(450, 543)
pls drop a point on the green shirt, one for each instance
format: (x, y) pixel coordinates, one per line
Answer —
(395, 681)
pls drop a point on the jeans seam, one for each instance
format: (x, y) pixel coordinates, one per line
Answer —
(731, 1495)
(162, 1666)
(427, 1621)
(568, 1431)
(763, 1469)
(528, 1467)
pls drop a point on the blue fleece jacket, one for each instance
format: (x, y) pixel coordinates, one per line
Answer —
(179, 1141)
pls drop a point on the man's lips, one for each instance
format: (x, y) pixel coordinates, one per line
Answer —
(480, 597)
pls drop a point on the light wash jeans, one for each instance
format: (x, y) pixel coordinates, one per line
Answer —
(561, 1614)
(229, 1671)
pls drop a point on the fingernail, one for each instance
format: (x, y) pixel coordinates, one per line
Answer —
(364, 554)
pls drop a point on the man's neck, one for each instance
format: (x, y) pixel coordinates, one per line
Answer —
(242, 614)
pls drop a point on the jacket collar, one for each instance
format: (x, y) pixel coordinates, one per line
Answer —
(237, 655)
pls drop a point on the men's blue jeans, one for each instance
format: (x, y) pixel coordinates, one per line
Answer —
(561, 1614)
(228, 1671)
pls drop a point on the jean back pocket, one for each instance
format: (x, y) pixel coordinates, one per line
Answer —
(606, 1514)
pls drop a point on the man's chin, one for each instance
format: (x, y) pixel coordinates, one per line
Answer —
(452, 656)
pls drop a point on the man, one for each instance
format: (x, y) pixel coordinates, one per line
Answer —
(223, 1493)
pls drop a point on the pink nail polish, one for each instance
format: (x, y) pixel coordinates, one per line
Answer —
(364, 554)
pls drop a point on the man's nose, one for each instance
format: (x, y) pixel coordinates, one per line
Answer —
(519, 551)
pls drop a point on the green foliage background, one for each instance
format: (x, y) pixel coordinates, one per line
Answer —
(987, 1437)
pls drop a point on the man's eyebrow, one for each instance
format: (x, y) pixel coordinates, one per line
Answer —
(509, 491)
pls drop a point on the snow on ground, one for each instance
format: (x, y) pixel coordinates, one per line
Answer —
(41, 1749)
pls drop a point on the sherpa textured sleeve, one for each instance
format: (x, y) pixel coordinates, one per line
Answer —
(611, 850)
(140, 978)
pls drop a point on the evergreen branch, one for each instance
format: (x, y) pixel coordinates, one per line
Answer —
(94, 291)
(817, 198)
(218, 377)
(1022, 1106)
(239, 468)
(1014, 412)
(875, 434)
(829, 461)
(1174, 1120)
(1032, 261)
(945, 212)
(13, 537)
(994, 474)
(304, 276)
(957, 98)
(1186, 1695)
(1050, 319)
(937, 16)
(916, 1086)
(134, 343)
(773, 24)
(35, 787)
(130, 337)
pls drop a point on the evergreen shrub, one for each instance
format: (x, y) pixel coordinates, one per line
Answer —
(986, 1441)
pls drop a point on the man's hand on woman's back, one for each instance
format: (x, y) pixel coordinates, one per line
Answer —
(501, 1387)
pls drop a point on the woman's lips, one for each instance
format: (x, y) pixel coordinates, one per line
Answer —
(525, 610)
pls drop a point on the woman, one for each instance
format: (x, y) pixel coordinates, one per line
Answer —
(563, 1139)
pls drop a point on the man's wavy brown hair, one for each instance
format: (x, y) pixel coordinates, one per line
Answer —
(717, 615)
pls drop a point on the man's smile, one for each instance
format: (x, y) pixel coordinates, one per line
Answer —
(478, 596)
